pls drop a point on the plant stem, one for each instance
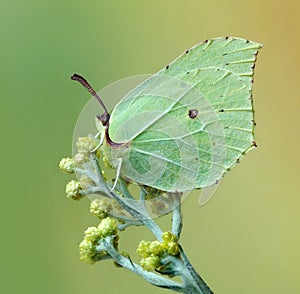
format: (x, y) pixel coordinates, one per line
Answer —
(193, 278)
(171, 265)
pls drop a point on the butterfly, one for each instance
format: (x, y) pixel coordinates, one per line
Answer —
(187, 125)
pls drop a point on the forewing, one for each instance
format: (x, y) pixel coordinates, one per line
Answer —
(215, 78)
(222, 71)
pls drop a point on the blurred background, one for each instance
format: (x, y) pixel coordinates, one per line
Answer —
(245, 240)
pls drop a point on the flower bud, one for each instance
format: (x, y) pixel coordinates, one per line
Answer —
(92, 234)
(74, 190)
(79, 158)
(100, 207)
(86, 251)
(86, 144)
(172, 248)
(150, 263)
(143, 249)
(67, 165)
(108, 227)
(156, 248)
(168, 236)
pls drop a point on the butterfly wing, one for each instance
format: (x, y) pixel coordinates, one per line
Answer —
(193, 120)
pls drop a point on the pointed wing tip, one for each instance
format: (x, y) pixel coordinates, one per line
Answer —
(231, 38)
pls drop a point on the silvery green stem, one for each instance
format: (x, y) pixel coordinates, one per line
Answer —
(191, 277)
(172, 266)
(177, 217)
(151, 277)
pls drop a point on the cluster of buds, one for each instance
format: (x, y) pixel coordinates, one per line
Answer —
(86, 144)
(75, 189)
(100, 207)
(92, 238)
(98, 240)
(151, 253)
(67, 165)
(92, 248)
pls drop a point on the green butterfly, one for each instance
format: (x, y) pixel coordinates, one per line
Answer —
(187, 125)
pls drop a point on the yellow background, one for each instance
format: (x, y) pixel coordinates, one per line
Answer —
(245, 240)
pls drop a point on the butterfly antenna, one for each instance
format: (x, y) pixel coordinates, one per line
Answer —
(85, 84)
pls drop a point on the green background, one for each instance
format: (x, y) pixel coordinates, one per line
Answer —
(245, 240)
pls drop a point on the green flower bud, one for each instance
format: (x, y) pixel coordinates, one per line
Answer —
(86, 144)
(92, 234)
(67, 165)
(156, 248)
(100, 207)
(79, 158)
(108, 227)
(150, 263)
(143, 249)
(168, 236)
(86, 251)
(173, 248)
(74, 190)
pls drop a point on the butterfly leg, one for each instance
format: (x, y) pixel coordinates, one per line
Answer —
(101, 133)
(119, 164)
